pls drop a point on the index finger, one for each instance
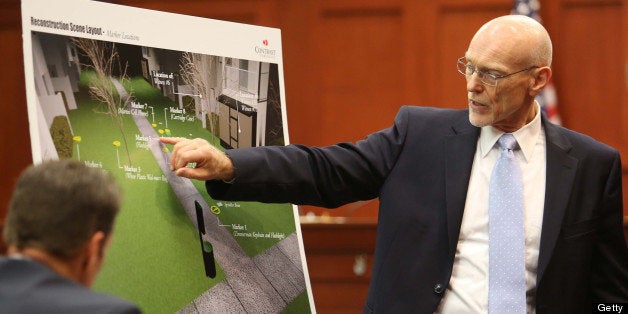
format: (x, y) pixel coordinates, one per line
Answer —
(171, 140)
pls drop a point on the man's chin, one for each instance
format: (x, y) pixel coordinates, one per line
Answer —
(479, 121)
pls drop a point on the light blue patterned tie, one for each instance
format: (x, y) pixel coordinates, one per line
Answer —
(507, 288)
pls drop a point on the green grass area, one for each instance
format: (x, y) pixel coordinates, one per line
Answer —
(257, 217)
(298, 305)
(155, 258)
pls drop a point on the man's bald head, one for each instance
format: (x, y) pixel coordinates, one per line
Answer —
(520, 37)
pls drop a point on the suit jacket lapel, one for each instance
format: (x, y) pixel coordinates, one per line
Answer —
(459, 151)
(560, 174)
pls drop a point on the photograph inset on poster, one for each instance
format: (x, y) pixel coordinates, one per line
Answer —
(103, 84)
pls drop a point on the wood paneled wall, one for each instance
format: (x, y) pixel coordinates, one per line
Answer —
(350, 64)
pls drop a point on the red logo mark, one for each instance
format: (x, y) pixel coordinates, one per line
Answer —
(265, 42)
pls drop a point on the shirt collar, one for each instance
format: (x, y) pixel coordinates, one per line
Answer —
(526, 136)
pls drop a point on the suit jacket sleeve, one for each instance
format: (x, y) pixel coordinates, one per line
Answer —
(328, 176)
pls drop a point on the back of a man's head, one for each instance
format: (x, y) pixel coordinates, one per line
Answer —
(58, 205)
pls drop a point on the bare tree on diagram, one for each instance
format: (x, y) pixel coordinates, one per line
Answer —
(195, 71)
(103, 57)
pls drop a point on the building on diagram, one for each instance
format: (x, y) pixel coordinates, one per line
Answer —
(56, 73)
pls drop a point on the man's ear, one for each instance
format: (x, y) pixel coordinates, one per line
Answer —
(540, 79)
(94, 257)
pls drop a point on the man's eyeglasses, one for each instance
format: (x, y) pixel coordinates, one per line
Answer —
(489, 79)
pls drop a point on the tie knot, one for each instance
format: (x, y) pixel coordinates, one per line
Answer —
(508, 141)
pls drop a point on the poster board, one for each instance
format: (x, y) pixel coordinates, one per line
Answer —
(103, 83)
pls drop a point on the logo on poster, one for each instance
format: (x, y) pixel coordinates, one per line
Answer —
(265, 52)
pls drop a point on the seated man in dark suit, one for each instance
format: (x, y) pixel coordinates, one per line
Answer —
(58, 229)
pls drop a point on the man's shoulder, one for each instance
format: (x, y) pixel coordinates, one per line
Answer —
(436, 111)
(435, 118)
(577, 142)
(28, 286)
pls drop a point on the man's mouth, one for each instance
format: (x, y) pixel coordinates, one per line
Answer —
(475, 104)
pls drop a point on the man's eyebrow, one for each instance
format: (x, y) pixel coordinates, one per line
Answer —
(484, 68)
(490, 70)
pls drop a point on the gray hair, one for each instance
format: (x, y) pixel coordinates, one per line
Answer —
(58, 205)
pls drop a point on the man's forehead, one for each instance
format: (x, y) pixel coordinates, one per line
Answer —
(497, 52)
(487, 57)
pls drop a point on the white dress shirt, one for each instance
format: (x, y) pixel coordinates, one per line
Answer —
(468, 287)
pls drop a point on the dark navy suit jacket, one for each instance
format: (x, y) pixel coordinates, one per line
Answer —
(29, 287)
(420, 168)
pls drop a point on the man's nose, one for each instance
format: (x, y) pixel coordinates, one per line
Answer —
(474, 84)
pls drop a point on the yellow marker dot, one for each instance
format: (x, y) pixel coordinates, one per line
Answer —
(215, 210)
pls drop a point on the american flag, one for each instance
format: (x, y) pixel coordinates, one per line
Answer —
(547, 97)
